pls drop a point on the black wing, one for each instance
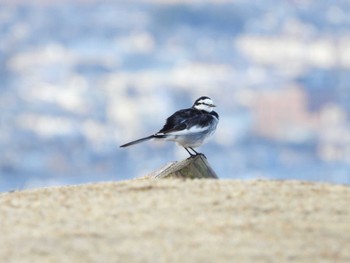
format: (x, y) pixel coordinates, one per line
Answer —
(177, 121)
(185, 119)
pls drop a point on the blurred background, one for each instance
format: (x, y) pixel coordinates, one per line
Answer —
(79, 79)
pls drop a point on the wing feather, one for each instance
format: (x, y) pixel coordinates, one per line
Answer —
(184, 121)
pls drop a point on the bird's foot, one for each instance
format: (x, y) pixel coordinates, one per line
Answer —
(195, 153)
(201, 154)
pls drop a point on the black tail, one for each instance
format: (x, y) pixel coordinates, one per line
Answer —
(139, 140)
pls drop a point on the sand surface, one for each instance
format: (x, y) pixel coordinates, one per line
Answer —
(177, 221)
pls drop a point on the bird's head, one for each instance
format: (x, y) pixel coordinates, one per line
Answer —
(204, 103)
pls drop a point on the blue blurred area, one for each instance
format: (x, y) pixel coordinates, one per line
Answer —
(77, 80)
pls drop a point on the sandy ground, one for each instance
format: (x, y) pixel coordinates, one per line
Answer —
(178, 221)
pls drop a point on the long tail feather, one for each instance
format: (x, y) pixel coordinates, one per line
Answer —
(138, 141)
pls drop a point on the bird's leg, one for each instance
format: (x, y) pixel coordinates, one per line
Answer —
(194, 150)
(197, 153)
(191, 155)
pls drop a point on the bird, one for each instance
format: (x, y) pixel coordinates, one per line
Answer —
(189, 128)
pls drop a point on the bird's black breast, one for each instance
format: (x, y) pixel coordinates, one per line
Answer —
(215, 114)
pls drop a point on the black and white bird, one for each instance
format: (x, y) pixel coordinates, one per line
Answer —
(189, 128)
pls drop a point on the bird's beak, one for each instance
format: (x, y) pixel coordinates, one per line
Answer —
(212, 105)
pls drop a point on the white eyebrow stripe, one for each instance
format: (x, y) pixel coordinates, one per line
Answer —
(206, 101)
